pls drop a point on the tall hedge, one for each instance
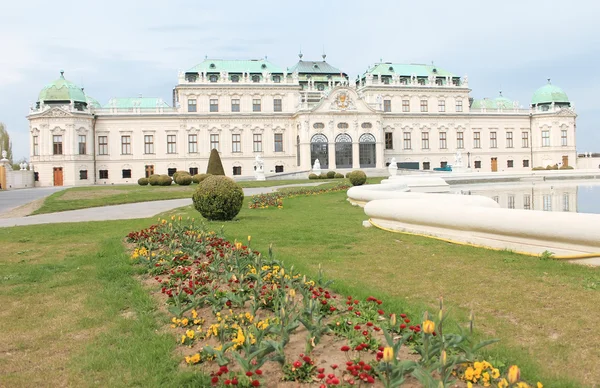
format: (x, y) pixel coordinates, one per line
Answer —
(218, 198)
(215, 167)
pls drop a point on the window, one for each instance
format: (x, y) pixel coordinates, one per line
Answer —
(214, 105)
(405, 105)
(423, 105)
(443, 144)
(192, 105)
(57, 144)
(496, 198)
(257, 142)
(278, 143)
(277, 107)
(511, 201)
(83, 175)
(214, 142)
(425, 140)
(126, 173)
(235, 105)
(426, 166)
(441, 106)
(459, 107)
(236, 143)
(509, 140)
(406, 141)
(321, 87)
(547, 203)
(477, 164)
(278, 168)
(171, 144)
(192, 143)
(527, 201)
(460, 140)
(103, 174)
(318, 125)
(526, 163)
(36, 146)
(126, 145)
(366, 125)
(276, 79)
(342, 125)
(389, 141)
(387, 105)
(563, 137)
(256, 105)
(256, 78)
(148, 144)
(149, 170)
(171, 171)
(237, 170)
(82, 144)
(443, 164)
(525, 139)
(193, 171)
(565, 202)
(509, 164)
(476, 139)
(545, 138)
(102, 145)
(213, 78)
(235, 78)
(493, 140)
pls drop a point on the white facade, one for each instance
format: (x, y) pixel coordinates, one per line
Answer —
(291, 122)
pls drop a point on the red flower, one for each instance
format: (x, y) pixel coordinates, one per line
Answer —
(380, 312)
(321, 376)
(321, 370)
(297, 364)
(334, 366)
(255, 383)
(369, 324)
(370, 380)
(258, 372)
(306, 359)
(403, 315)
(345, 348)
(379, 302)
(335, 381)
(407, 320)
(357, 327)
(403, 326)
(227, 382)
(234, 381)
(214, 380)
(249, 374)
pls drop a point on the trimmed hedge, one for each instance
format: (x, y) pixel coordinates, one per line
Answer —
(179, 174)
(215, 167)
(165, 180)
(154, 180)
(357, 178)
(184, 180)
(323, 176)
(143, 181)
(338, 175)
(218, 198)
(313, 176)
(330, 174)
(199, 177)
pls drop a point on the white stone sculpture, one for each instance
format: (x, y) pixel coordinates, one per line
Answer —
(458, 159)
(393, 167)
(316, 167)
(4, 154)
(259, 168)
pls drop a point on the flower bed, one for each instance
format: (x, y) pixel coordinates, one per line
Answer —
(264, 201)
(247, 320)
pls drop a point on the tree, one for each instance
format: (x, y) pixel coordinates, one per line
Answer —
(215, 167)
(5, 143)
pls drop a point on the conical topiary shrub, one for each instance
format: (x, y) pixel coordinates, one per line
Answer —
(215, 167)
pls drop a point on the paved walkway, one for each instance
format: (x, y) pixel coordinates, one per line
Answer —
(119, 212)
(10, 199)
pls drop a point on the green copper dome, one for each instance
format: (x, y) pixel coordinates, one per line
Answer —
(500, 102)
(62, 90)
(548, 94)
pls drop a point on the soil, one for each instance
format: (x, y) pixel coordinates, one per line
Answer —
(23, 210)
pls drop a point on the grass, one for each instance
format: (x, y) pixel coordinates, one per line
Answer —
(75, 314)
(95, 196)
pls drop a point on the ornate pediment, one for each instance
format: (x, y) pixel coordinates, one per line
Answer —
(342, 99)
(566, 112)
(55, 112)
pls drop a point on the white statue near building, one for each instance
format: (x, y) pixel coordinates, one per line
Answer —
(316, 167)
(393, 167)
(259, 168)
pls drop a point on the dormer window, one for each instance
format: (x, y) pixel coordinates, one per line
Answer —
(421, 81)
(403, 81)
(263, 66)
(276, 79)
(212, 66)
(438, 81)
(235, 78)
(191, 77)
(390, 68)
(320, 87)
(386, 80)
(255, 78)
(213, 78)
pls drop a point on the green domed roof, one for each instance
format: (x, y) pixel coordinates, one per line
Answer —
(62, 90)
(93, 102)
(548, 94)
(497, 103)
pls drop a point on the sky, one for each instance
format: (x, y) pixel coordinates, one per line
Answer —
(125, 48)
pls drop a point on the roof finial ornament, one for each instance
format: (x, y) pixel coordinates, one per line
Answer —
(205, 56)
(62, 73)
(300, 54)
(324, 55)
(549, 81)
(500, 93)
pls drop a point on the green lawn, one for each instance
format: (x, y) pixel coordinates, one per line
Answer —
(75, 314)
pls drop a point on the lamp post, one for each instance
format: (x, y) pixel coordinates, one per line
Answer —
(469, 159)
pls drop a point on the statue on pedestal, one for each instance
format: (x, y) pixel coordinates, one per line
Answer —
(259, 168)
(316, 167)
(393, 167)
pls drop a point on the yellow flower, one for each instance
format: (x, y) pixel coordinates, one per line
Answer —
(444, 357)
(393, 320)
(486, 376)
(238, 245)
(428, 326)
(388, 354)
(249, 238)
(503, 384)
(469, 374)
(193, 359)
(514, 374)
(540, 385)
(292, 293)
(185, 321)
(469, 384)
(522, 385)
(194, 314)
(478, 365)
(190, 334)
(495, 373)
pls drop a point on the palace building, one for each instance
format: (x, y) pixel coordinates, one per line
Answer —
(421, 115)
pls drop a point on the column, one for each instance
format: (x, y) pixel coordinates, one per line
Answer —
(331, 154)
(379, 157)
(355, 155)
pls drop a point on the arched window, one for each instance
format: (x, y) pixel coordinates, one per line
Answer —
(342, 125)
(319, 149)
(343, 150)
(213, 78)
(235, 78)
(366, 150)
(256, 78)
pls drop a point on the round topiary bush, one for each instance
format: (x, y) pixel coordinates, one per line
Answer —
(338, 175)
(199, 177)
(313, 176)
(178, 174)
(165, 180)
(330, 174)
(184, 180)
(218, 198)
(143, 181)
(357, 178)
(348, 174)
(323, 176)
(154, 180)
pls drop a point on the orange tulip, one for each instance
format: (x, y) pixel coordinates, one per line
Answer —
(514, 374)
(428, 326)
